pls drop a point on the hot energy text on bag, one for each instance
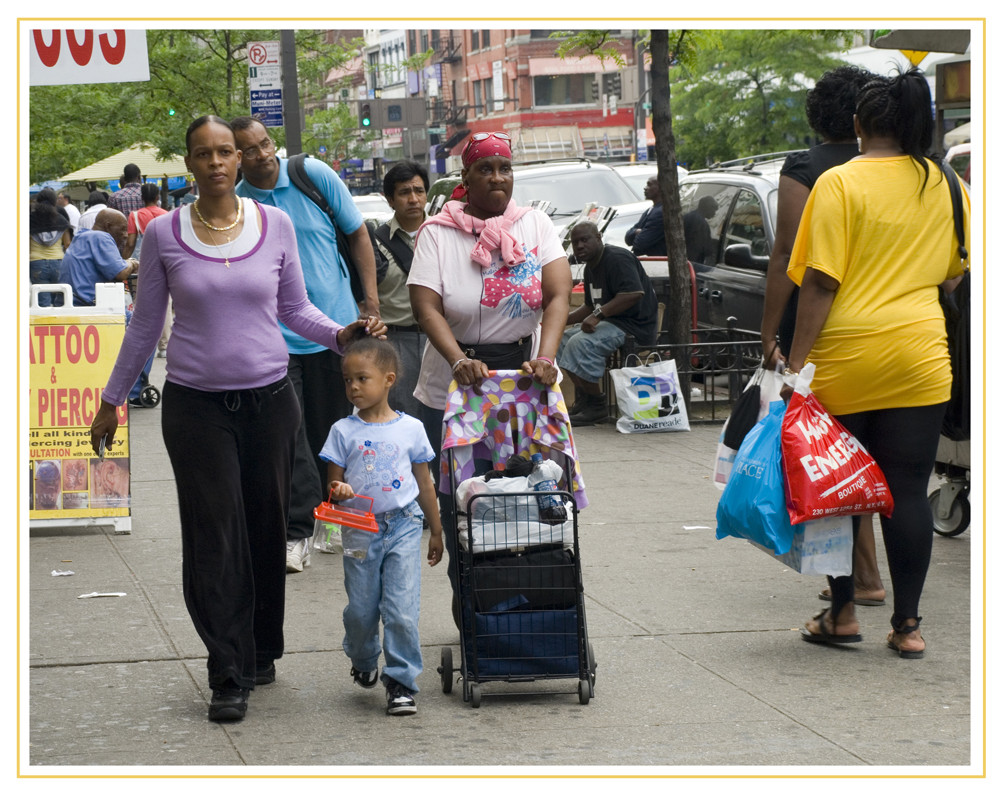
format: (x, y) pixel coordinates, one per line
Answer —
(828, 472)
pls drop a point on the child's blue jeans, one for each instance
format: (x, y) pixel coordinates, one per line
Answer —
(386, 585)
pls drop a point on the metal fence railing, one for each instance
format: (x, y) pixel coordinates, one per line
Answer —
(718, 363)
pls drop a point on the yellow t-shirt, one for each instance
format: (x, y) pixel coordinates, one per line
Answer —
(867, 225)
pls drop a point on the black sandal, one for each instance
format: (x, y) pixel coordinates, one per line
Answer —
(904, 630)
(825, 637)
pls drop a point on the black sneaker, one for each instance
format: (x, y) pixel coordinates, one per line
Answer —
(265, 674)
(367, 679)
(229, 702)
(399, 700)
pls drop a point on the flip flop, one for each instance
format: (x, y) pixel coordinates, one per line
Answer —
(866, 602)
(824, 637)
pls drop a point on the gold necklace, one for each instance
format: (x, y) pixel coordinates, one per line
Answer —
(239, 215)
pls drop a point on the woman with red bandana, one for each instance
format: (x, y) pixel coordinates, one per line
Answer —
(489, 285)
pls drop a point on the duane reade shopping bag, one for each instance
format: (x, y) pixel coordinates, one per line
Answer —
(649, 398)
(828, 472)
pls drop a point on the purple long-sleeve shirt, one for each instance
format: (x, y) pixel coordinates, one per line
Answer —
(225, 333)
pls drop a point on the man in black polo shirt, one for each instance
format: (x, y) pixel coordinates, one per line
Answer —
(618, 300)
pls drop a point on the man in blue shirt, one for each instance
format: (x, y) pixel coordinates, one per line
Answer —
(95, 256)
(647, 237)
(314, 371)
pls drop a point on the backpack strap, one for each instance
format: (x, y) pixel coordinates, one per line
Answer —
(956, 208)
(402, 252)
(300, 178)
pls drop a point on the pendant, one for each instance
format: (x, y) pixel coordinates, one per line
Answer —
(227, 262)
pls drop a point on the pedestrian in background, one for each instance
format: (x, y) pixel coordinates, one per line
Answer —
(314, 371)
(869, 264)
(830, 106)
(228, 410)
(405, 188)
(647, 237)
(128, 198)
(48, 236)
(96, 201)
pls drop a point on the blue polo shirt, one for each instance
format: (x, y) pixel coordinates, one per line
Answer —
(93, 257)
(327, 284)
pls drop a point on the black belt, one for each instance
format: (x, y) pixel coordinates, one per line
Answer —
(400, 329)
(500, 356)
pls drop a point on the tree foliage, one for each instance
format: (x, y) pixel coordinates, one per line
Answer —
(742, 92)
(192, 72)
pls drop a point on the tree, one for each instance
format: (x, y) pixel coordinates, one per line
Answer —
(742, 92)
(192, 72)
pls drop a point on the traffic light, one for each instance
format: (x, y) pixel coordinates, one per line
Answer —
(595, 90)
(615, 84)
(365, 115)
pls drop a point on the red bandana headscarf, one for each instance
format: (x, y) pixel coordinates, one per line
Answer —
(476, 150)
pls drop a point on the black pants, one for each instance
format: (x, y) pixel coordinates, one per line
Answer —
(904, 444)
(231, 453)
(318, 381)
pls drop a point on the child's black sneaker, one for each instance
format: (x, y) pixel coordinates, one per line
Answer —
(399, 699)
(367, 679)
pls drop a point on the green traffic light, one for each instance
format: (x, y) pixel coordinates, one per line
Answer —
(366, 122)
(171, 112)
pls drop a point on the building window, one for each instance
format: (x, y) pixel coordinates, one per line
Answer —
(436, 40)
(423, 41)
(477, 95)
(411, 41)
(475, 40)
(488, 94)
(486, 39)
(562, 90)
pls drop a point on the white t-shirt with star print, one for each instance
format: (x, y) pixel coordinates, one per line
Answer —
(491, 305)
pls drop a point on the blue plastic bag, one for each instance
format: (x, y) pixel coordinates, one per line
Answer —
(752, 505)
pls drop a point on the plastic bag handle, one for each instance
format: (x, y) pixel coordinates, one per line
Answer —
(371, 500)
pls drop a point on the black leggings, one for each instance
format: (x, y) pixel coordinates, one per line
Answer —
(904, 444)
(231, 453)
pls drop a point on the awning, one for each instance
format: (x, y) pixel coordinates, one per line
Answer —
(143, 155)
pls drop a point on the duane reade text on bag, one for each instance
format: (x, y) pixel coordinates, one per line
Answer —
(649, 398)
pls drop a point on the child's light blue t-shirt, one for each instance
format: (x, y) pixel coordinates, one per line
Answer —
(378, 459)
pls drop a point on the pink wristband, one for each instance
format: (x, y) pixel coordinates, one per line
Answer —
(545, 359)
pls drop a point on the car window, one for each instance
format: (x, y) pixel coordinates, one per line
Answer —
(692, 195)
(568, 191)
(746, 225)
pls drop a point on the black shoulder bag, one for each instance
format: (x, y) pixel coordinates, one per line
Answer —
(297, 174)
(957, 307)
(402, 252)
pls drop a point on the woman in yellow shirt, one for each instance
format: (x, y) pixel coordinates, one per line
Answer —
(49, 230)
(876, 240)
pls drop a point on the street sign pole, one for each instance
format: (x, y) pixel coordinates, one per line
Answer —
(290, 94)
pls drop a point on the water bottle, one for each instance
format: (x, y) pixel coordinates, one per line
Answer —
(544, 478)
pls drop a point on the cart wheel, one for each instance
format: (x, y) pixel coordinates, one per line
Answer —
(446, 670)
(585, 689)
(592, 665)
(149, 397)
(957, 521)
(476, 694)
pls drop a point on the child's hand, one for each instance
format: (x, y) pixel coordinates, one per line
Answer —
(339, 490)
(435, 548)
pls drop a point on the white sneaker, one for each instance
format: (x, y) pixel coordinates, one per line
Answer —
(296, 555)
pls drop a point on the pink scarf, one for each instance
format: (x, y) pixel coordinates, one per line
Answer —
(493, 233)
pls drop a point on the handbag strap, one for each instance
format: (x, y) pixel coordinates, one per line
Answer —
(956, 210)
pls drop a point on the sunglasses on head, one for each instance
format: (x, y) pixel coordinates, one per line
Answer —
(484, 135)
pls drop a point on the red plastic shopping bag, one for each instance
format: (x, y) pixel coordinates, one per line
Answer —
(828, 472)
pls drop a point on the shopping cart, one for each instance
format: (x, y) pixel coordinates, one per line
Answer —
(950, 501)
(520, 588)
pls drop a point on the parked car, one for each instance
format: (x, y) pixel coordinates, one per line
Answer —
(373, 207)
(567, 185)
(959, 157)
(637, 174)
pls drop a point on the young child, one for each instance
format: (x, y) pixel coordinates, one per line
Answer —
(384, 454)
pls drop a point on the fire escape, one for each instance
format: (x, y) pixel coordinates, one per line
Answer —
(447, 109)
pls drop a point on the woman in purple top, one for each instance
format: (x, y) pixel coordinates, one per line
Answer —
(229, 414)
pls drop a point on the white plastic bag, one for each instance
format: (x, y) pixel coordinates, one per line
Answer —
(504, 519)
(770, 390)
(649, 398)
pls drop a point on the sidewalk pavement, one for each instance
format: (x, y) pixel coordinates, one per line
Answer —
(700, 663)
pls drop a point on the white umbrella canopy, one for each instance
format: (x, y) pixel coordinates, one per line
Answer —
(143, 155)
(960, 135)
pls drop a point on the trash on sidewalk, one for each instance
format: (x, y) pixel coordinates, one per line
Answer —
(57, 573)
(91, 595)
